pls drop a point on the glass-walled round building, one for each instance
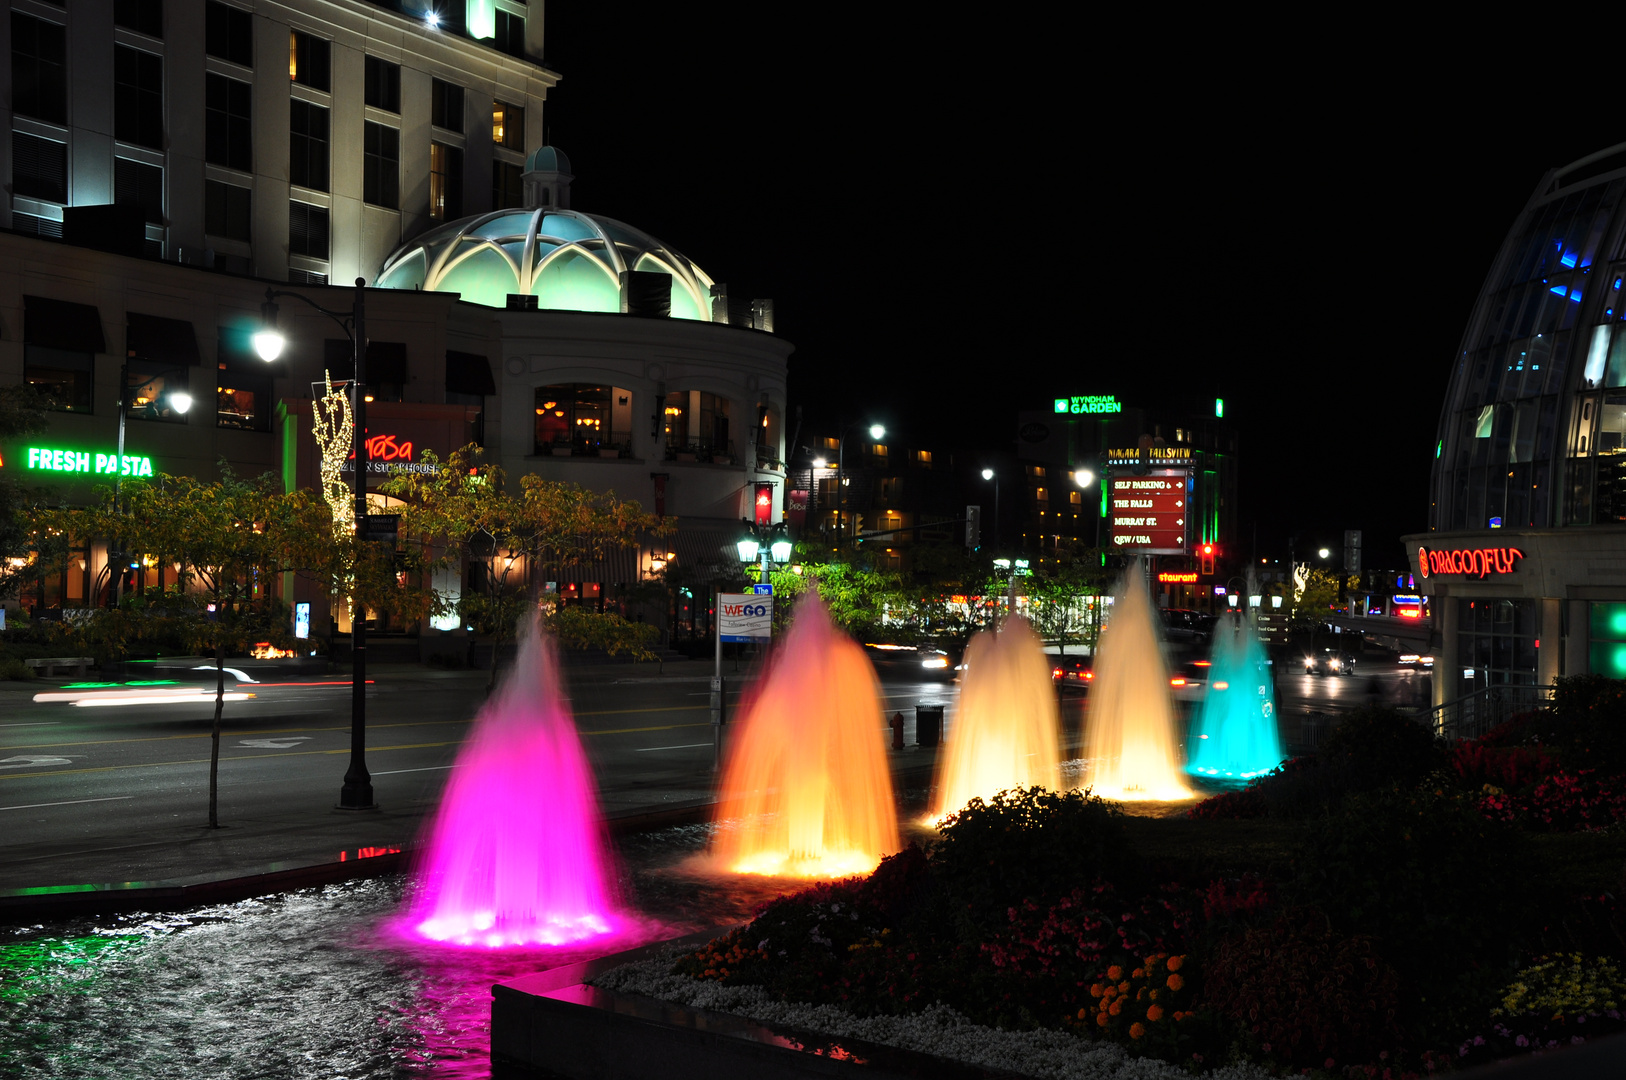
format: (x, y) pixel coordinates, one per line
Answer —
(1526, 553)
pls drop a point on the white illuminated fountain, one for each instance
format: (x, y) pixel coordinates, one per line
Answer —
(1131, 748)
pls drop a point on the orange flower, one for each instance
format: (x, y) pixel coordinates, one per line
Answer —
(1123, 988)
(1095, 990)
(1136, 1030)
(1117, 1007)
(1155, 1013)
(1102, 1020)
(1175, 982)
(1114, 973)
(1137, 974)
(1175, 962)
(1081, 1014)
(1179, 1016)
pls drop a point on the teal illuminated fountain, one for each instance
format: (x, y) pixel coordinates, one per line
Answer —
(1235, 734)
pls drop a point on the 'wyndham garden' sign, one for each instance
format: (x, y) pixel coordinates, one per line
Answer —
(80, 461)
(1089, 403)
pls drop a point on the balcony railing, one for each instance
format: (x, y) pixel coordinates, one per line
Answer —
(719, 453)
(1471, 716)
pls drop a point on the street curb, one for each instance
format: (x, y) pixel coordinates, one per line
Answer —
(552, 1024)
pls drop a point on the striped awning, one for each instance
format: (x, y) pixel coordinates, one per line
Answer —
(619, 566)
(706, 548)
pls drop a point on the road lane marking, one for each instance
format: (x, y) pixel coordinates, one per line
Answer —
(33, 761)
(42, 723)
(275, 744)
(685, 746)
(426, 768)
(70, 802)
(206, 735)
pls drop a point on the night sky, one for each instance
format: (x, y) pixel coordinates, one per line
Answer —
(960, 221)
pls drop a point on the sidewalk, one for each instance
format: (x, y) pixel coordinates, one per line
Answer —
(308, 845)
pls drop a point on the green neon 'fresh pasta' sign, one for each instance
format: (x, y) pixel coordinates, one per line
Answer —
(52, 459)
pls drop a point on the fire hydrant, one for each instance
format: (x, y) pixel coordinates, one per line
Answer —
(897, 731)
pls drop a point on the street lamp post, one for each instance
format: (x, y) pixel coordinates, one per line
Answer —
(876, 431)
(989, 474)
(357, 792)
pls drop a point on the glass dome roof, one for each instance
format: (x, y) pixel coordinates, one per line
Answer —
(568, 260)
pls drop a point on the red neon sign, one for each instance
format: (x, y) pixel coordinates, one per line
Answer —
(385, 448)
(1471, 562)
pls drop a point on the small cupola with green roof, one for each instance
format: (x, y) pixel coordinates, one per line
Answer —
(547, 179)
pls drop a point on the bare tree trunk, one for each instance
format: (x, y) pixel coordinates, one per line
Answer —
(214, 748)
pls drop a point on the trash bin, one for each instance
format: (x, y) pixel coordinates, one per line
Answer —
(928, 724)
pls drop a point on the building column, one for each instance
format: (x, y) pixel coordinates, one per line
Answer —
(1445, 652)
(1549, 633)
(1578, 643)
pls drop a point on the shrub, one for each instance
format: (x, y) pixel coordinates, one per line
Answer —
(1033, 844)
(1305, 994)
(1565, 802)
(1510, 767)
(13, 668)
(1558, 986)
(1439, 888)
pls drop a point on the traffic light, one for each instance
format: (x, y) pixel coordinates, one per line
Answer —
(1207, 551)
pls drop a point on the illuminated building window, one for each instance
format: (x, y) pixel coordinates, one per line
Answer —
(309, 60)
(507, 125)
(582, 419)
(695, 423)
(1036, 470)
(923, 456)
(62, 375)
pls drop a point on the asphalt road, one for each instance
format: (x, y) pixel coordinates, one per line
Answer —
(97, 793)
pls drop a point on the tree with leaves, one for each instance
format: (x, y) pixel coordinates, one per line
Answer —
(22, 413)
(464, 510)
(228, 539)
(1057, 590)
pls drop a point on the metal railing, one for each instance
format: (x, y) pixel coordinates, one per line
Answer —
(1471, 716)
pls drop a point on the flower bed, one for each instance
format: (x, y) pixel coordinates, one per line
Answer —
(1418, 908)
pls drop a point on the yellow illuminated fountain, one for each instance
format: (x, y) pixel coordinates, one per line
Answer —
(1006, 732)
(1130, 744)
(806, 791)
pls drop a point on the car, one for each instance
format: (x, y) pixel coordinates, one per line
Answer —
(1182, 626)
(1188, 679)
(1072, 673)
(1329, 661)
(919, 661)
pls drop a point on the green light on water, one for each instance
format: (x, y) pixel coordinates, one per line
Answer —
(87, 685)
(1439, 448)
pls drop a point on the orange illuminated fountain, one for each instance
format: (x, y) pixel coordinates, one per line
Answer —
(1006, 731)
(806, 791)
(1130, 745)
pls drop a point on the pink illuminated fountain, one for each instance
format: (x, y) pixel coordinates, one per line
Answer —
(516, 855)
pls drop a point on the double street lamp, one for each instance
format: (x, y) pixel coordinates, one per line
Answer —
(357, 792)
(763, 543)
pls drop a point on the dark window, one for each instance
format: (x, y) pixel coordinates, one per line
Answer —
(508, 125)
(307, 160)
(62, 375)
(39, 168)
(309, 61)
(39, 82)
(446, 105)
(228, 33)
(383, 84)
(228, 134)
(35, 225)
(226, 210)
(445, 182)
(506, 189)
(307, 230)
(140, 184)
(161, 354)
(306, 277)
(381, 166)
(138, 97)
(510, 33)
(243, 383)
(143, 16)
